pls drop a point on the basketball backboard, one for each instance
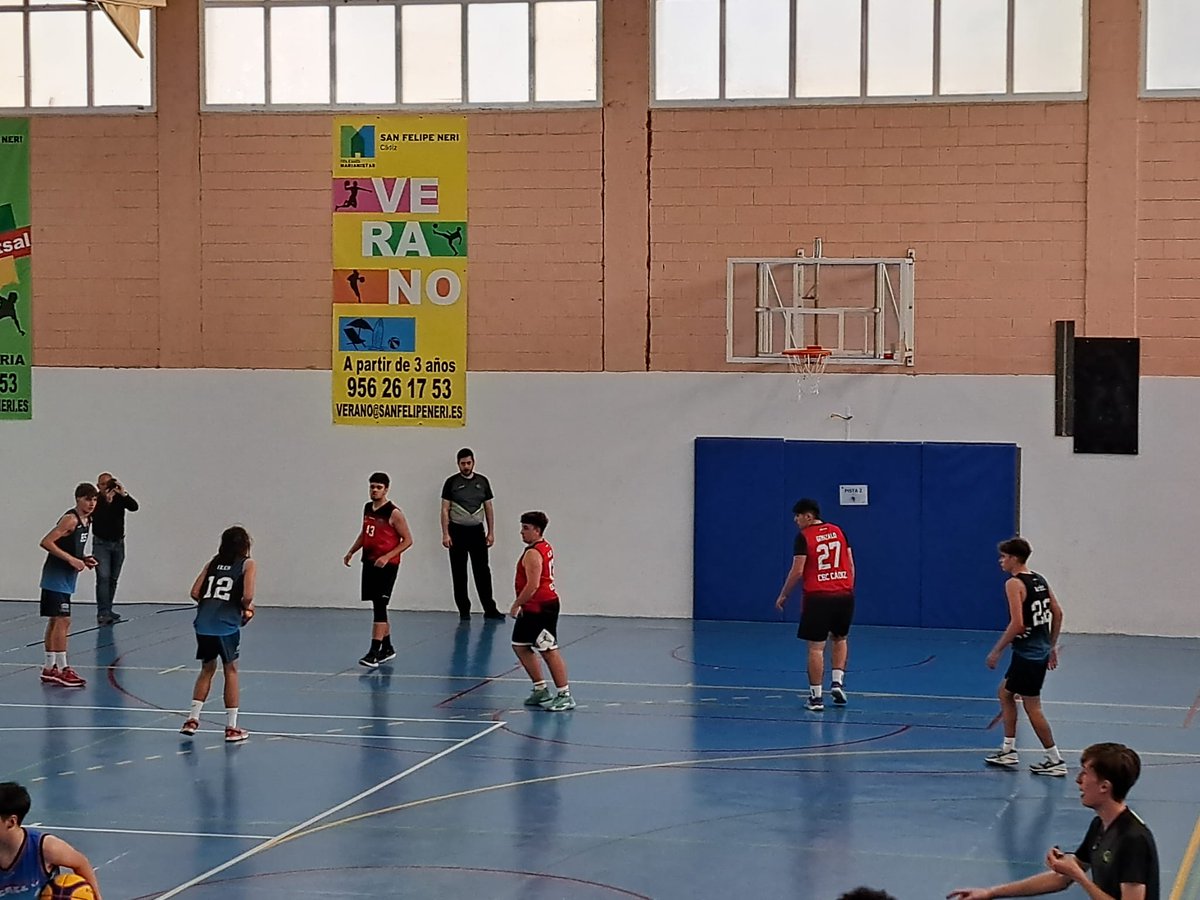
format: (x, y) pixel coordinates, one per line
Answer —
(859, 309)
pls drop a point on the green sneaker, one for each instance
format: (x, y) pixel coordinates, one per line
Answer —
(561, 703)
(539, 697)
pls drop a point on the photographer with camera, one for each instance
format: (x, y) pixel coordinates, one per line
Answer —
(108, 544)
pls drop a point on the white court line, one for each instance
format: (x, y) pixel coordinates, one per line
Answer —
(292, 734)
(679, 685)
(270, 842)
(283, 715)
(674, 764)
(174, 669)
(196, 834)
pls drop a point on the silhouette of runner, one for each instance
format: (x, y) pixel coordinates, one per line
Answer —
(8, 309)
(452, 237)
(355, 280)
(352, 188)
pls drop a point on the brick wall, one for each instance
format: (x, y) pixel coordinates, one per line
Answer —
(599, 237)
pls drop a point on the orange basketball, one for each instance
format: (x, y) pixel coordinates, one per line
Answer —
(67, 886)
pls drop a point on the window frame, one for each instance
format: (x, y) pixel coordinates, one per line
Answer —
(399, 105)
(1144, 63)
(863, 98)
(90, 12)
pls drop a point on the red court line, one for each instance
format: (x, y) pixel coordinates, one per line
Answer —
(1191, 714)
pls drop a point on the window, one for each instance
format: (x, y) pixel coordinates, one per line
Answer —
(1171, 63)
(65, 56)
(328, 54)
(803, 51)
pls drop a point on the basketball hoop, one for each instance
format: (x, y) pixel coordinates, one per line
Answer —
(808, 365)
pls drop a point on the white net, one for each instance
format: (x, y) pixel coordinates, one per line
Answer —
(808, 365)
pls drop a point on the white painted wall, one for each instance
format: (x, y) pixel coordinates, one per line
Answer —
(608, 457)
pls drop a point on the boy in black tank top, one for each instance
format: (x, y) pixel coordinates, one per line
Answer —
(1035, 620)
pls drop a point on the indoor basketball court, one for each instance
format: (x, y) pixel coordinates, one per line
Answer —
(428, 778)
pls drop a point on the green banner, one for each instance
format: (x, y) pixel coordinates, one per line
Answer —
(16, 285)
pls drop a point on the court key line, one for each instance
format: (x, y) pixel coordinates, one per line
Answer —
(283, 836)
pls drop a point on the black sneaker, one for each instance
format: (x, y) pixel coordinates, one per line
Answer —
(386, 652)
(371, 660)
(495, 615)
(838, 693)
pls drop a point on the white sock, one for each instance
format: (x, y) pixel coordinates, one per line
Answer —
(51, 659)
(1052, 754)
(814, 691)
(62, 658)
(231, 716)
(1010, 744)
(565, 689)
(839, 676)
(539, 685)
(197, 705)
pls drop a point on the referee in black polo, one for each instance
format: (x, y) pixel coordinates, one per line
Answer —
(467, 531)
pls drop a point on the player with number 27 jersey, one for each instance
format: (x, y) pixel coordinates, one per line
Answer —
(827, 565)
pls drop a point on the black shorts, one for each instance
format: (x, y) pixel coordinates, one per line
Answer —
(1025, 676)
(377, 583)
(55, 604)
(211, 646)
(825, 614)
(538, 630)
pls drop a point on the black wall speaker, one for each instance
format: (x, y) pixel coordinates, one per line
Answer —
(1106, 377)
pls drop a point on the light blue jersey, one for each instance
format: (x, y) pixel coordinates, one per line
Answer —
(57, 574)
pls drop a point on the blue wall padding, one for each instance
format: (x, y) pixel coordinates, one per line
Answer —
(924, 545)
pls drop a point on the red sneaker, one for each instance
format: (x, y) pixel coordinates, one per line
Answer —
(51, 676)
(235, 735)
(190, 727)
(68, 678)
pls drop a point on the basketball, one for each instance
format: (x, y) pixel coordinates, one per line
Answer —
(67, 886)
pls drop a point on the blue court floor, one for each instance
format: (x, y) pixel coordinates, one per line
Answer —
(689, 769)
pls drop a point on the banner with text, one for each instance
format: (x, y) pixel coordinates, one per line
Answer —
(399, 203)
(16, 288)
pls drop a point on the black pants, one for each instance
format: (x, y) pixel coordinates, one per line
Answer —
(470, 541)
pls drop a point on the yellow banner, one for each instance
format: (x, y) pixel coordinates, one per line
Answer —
(400, 249)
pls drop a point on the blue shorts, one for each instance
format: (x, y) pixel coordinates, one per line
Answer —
(210, 646)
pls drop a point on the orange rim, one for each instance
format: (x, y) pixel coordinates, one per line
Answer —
(811, 352)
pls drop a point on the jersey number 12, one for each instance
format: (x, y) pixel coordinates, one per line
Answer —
(218, 588)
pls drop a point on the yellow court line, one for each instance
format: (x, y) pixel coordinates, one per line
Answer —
(1185, 867)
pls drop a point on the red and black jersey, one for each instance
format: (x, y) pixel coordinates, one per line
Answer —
(378, 535)
(545, 593)
(827, 565)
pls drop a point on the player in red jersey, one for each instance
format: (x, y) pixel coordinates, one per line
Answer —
(383, 537)
(536, 612)
(823, 562)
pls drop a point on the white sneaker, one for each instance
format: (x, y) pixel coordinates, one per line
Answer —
(1049, 767)
(1007, 758)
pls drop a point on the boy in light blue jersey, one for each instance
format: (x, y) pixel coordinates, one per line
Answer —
(224, 590)
(66, 556)
(30, 858)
